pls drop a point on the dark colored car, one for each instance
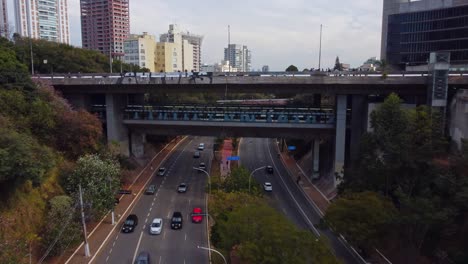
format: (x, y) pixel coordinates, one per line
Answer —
(162, 171)
(269, 169)
(143, 258)
(202, 166)
(196, 154)
(130, 224)
(176, 221)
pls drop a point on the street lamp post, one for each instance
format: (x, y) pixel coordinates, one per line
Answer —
(207, 174)
(251, 174)
(214, 250)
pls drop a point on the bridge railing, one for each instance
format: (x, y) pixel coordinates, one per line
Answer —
(149, 75)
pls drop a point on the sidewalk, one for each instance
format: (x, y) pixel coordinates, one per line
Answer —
(98, 233)
(225, 165)
(311, 191)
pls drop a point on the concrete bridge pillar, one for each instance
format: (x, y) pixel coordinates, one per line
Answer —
(316, 170)
(358, 124)
(340, 138)
(138, 143)
(116, 130)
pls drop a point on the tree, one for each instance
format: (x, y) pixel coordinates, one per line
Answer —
(239, 181)
(11, 70)
(99, 180)
(292, 68)
(363, 218)
(338, 66)
(61, 227)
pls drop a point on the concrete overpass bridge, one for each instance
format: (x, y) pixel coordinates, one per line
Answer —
(351, 96)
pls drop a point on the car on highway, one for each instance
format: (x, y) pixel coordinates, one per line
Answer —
(143, 258)
(197, 216)
(176, 220)
(156, 226)
(182, 188)
(130, 224)
(202, 166)
(201, 146)
(162, 171)
(196, 154)
(267, 187)
(269, 169)
(151, 189)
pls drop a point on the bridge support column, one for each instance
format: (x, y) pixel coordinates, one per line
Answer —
(116, 130)
(340, 138)
(316, 172)
(138, 144)
(358, 124)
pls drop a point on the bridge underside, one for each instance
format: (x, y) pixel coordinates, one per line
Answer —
(231, 129)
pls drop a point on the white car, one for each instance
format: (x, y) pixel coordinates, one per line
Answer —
(201, 146)
(156, 226)
(182, 188)
(267, 187)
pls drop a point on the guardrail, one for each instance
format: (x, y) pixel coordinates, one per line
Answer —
(239, 74)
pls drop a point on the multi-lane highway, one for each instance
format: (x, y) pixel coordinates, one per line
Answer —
(171, 246)
(286, 196)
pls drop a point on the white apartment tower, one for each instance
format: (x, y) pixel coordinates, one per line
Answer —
(239, 57)
(43, 19)
(4, 27)
(191, 46)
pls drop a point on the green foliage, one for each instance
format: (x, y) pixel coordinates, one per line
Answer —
(11, 71)
(363, 218)
(61, 227)
(99, 179)
(338, 66)
(22, 158)
(262, 235)
(238, 181)
(63, 58)
(292, 68)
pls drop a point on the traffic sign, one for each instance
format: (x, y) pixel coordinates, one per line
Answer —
(291, 148)
(233, 158)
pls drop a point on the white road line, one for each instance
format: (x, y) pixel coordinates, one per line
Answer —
(294, 199)
(124, 213)
(110, 251)
(113, 244)
(151, 208)
(185, 236)
(138, 245)
(107, 259)
(164, 235)
(160, 259)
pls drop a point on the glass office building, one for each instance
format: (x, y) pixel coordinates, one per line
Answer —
(414, 29)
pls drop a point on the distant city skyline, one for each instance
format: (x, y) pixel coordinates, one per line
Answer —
(278, 32)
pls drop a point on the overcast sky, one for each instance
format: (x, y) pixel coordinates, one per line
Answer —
(279, 32)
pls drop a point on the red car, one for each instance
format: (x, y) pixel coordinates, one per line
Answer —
(197, 216)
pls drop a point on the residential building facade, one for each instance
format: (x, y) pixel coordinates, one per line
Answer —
(44, 19)
(105, 25)
(265, 68)
(168, 57)
(411, 30)
(239, 57)
(4, 27)
(191, 46)
(140, 50)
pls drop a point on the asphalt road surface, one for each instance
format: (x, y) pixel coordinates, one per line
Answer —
(286, 196)
(171, 246)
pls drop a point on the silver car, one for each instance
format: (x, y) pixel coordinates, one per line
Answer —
(156, 226)
(182, 188)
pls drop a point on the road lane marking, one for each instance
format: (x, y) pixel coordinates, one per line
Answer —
(107, 259)
(138, 245)
(125, 212)
(160, 259)
(185, 236)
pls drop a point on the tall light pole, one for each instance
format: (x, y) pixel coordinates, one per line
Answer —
(86, 245)
(214, 250)
(320, 47)
(207, 174)
(251, 174)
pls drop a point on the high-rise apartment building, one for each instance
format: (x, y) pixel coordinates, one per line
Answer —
(140, 50)
(105, 25)
(191, 46)
(4, 28)
(411, 30)
(239, 57)
(43, 19)
(265, 68)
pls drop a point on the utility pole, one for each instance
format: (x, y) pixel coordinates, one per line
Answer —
(86, 245)
(30, 36)
(320, 47)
